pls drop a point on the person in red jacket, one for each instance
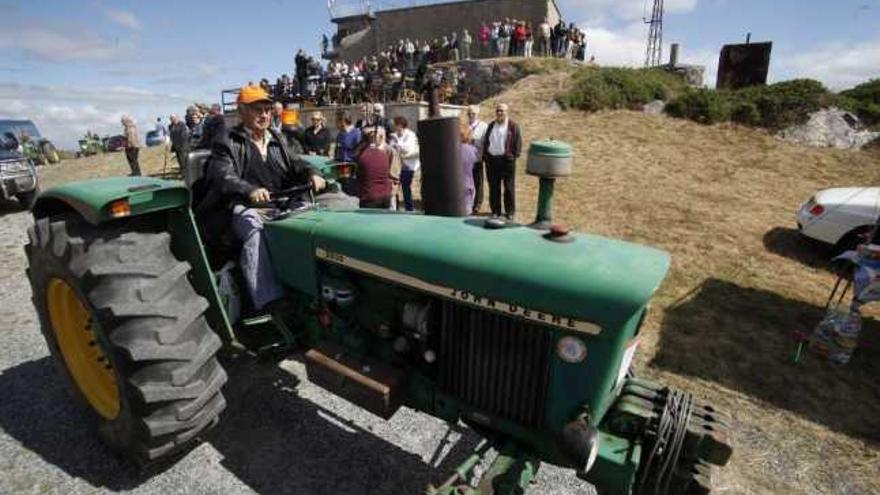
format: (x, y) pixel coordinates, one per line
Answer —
(374, 170)
(519, 35)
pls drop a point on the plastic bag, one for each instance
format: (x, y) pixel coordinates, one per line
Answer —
(837, 335)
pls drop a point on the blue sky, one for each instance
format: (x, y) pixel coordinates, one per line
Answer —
(78, 65)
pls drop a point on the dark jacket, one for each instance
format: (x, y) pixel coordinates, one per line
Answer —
(179, 137)
(513, 147)
(318, 143)
(212, 127)
(231, 154)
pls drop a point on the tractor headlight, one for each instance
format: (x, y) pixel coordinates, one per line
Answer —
(571, 349)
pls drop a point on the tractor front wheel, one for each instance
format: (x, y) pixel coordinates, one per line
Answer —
(126, 327)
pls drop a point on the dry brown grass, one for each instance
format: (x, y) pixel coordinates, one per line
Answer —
(152, 162)
(722, 200)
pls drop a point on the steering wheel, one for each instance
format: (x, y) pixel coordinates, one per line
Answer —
(281, 199)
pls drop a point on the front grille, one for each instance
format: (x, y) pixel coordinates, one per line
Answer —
(495, 363)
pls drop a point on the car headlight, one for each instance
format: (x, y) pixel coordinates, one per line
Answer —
(17, 166)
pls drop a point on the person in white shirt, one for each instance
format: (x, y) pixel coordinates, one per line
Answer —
(406, 143)
(545, 32)
(476, 133)
(502, 145)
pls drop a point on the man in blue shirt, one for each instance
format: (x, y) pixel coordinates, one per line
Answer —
(348, 138)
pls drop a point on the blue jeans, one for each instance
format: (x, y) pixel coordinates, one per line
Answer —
(256, 266)
(406, 180)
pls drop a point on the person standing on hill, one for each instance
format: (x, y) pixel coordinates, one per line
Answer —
(485, 36)
(406, 143)
(545, 33)
(465, 44)
(179, 140)
(476, 134)
(132, 144)
(502, 146)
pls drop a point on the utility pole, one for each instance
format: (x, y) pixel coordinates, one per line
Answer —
(654, 53)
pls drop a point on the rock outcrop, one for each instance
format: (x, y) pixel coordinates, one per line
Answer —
(830, 128)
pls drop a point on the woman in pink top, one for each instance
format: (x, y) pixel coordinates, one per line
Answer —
(485, 34)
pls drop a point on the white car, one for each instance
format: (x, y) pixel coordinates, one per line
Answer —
(842, 216)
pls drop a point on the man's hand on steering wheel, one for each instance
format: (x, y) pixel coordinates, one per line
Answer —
(318, 183)
(259, 196)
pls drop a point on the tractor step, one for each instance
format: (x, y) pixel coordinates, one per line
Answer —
(371, 385)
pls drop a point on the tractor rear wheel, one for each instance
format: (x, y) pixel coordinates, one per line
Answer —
(128, 332)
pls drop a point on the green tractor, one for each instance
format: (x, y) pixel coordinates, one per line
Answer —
(91, 144)
(525, 336)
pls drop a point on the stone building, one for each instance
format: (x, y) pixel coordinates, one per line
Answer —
(364, 34)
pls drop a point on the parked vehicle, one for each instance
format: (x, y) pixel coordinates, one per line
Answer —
(842, 217)
(34, 147)
(18, 177)
(116, 143)
(155, 138)
(90, 144)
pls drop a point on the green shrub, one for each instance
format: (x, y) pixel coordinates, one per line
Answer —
(615, 88)
(787, 103)
(745, 113)
(701, 105)
(864, 101)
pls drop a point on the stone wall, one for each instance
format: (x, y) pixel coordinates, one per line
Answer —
(436, 21)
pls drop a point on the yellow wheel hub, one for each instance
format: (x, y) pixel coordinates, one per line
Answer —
(89, 367)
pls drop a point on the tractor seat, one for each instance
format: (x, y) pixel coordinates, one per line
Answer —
(195, 166)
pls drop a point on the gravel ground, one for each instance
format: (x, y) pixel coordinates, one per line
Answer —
(278, 435)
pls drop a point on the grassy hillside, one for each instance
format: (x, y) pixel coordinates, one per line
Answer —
(721, 199)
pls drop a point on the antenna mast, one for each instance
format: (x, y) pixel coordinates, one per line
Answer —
(654, 53)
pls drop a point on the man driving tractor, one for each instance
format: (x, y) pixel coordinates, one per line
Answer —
(248, 164)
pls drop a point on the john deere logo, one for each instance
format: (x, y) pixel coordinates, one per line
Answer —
(462, 296)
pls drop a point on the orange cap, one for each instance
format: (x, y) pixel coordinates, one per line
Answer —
(252, 94)
(289, 117)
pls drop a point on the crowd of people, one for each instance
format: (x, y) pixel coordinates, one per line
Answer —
(399, 71)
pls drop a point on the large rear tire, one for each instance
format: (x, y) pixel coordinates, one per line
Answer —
(126, 327)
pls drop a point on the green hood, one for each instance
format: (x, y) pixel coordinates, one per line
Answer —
(593, 280)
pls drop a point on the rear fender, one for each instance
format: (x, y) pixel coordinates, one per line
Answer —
(149, 199)
(92, 199)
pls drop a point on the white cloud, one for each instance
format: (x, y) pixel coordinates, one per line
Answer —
(625, 10)
(838, 65)
(60, 44)
(64, 114)
(124, 18)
